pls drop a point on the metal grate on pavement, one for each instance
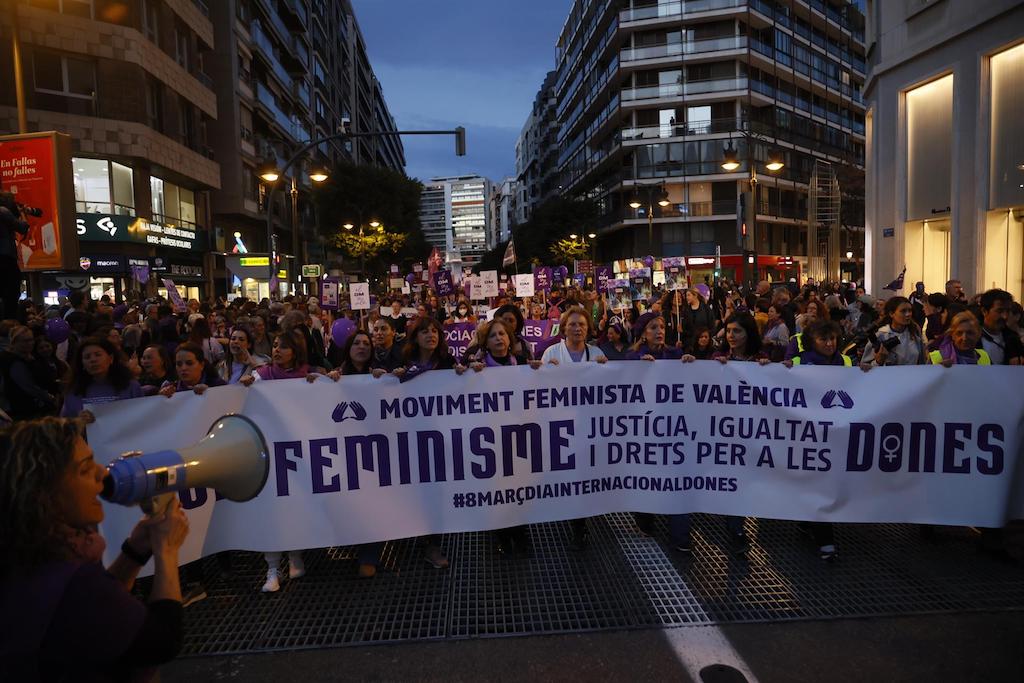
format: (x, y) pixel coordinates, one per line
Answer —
(623, 580)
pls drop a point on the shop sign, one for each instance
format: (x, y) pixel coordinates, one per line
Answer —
(186, 270)
(158, 264)
(102, 265)
(104, 227)
(311, 270)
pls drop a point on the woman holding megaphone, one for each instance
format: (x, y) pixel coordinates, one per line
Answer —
(75, 619)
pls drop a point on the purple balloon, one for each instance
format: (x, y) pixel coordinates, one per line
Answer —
(410, 278)
(57, 330)
(649, 261)
(563, 271)
(341, 331)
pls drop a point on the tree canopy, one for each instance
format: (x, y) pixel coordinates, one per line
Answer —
(542, 239)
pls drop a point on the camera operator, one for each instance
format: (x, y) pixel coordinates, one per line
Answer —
(10, 274)
(67, 617)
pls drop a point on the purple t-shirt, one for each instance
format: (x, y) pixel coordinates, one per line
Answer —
(98, 392)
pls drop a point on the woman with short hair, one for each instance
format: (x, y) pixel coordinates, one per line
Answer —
(157, 368)
(239, 362)
(651, 342)
(959, 345)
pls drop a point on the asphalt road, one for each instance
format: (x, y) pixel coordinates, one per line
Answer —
(954, 648)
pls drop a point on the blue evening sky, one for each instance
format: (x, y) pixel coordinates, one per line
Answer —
(447, 63)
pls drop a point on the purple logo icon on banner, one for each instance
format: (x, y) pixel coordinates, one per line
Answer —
(602, 274)
(542, 278)
(443, 283)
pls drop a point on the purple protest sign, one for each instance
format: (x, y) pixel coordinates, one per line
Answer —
(602, 274)
(459, 337)
(443, 284)
(542, 278)
(540, 334)
(580, 280)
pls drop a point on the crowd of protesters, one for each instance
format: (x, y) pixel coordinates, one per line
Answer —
(63, 360)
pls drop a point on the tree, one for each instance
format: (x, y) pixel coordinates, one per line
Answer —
(552, 221)
(358, 194)
(565, 251)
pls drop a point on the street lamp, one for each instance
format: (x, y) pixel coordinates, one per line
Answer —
(270, 174)
(662, 200)
(731, 162)
(373, 224)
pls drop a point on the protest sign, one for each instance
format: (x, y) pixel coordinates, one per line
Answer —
(675, 272)
(489, 283)
(524, 285)
(542, 278)
(359, 293)
(459, 337)
(602, 274)
(443, 285)
(620, 295)
(640, 283)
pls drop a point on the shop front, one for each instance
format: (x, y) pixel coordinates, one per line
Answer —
(249, 276)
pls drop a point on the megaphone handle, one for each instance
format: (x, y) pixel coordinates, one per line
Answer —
(157, 504)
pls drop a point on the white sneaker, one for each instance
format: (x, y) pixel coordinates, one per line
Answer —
(296, 567)
(273, 584)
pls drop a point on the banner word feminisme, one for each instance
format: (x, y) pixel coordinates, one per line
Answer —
(369, 459)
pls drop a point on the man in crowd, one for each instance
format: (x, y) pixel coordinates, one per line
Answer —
(955, 291)
(1002, 348)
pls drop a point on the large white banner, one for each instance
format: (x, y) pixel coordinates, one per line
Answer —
(370, 459)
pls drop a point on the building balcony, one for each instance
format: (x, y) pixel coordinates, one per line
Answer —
(630, 56)
(674, 10)
(674, 90)
(681, 129)
(296, 14)
(265, 48)
(290, 125)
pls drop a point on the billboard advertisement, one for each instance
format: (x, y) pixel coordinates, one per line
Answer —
(35, 168)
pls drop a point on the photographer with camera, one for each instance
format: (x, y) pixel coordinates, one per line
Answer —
(68, 617)
(898, 341)
(11, 224)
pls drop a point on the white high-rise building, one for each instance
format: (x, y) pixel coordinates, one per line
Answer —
(454, 215)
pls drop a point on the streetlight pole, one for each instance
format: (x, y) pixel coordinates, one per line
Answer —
(662, 202)
(460, 150)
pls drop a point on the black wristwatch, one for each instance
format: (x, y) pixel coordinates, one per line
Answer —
(134, 555)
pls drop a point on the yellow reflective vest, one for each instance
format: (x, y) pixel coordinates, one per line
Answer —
(847, 361)
(983, 357)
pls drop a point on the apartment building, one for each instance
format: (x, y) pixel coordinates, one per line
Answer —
(290, 71)
(666, 111)
(129, 82)
(537, 152)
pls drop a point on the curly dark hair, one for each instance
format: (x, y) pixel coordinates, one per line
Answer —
(34, 456)
(119, 375)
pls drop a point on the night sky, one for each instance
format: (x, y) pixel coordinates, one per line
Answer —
(458, 62)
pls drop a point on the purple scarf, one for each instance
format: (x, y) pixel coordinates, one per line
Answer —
(948, 350)
(273, 372)
(491, 363)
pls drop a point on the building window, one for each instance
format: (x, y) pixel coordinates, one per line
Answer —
(103, 186)
(78, 8)
(65, 76)
(181, 46)
(154, 105)
(172, 205)
(151, 20)
(188, 125)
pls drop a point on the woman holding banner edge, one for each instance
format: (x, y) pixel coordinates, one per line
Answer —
(576, 327)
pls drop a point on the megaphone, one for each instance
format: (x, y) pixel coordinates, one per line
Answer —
(232, 459)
